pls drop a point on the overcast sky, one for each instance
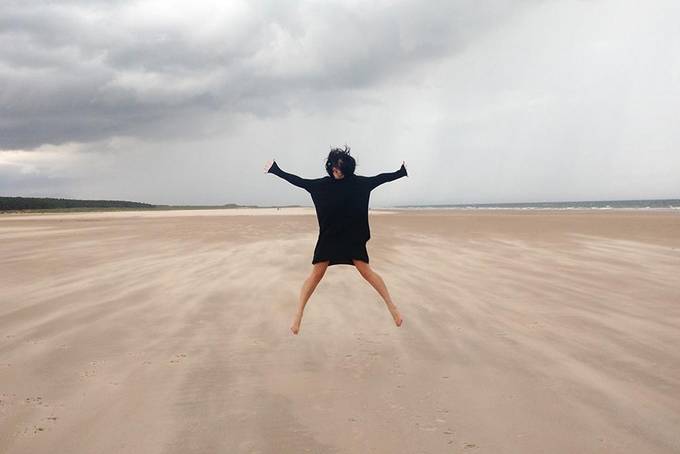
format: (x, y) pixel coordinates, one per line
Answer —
(486, 101)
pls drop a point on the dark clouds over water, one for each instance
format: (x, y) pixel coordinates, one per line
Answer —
(503, 100)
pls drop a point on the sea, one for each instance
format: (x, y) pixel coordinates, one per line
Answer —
(653, 204)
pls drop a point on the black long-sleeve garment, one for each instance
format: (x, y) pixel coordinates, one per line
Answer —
(342, 211)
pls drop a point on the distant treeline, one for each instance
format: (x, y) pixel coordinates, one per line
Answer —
(40, 203)
(44, 203)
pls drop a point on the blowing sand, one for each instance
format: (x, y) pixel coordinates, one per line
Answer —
(168, 332)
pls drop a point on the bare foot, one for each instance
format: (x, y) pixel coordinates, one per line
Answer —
(395, 315)
(295, 327)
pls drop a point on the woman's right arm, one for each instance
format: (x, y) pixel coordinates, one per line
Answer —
(289, 177)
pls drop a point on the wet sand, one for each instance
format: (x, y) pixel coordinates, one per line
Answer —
(168, 332)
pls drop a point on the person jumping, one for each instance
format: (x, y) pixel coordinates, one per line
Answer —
(341, 203)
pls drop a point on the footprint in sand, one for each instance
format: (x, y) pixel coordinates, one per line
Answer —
(35, 401)
(35, 429)
(51, 419)
(178, 358)
(88, 373)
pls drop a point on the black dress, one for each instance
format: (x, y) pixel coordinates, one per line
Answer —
(342, 211)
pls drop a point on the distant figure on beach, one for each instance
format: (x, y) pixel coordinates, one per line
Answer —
(341, 203)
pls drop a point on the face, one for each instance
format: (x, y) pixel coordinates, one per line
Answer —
(337, 173)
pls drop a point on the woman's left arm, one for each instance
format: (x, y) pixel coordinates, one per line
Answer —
(381, 178)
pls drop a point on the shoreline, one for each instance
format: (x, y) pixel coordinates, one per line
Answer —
(309, 210)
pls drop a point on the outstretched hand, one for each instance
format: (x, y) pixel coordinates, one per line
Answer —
(268, 165)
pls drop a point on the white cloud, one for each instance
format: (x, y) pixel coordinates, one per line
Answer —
(171, 102)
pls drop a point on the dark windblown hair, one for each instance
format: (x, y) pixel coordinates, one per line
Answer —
(341, 158)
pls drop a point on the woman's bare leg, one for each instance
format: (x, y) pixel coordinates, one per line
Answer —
(318, 270)
(377, 282)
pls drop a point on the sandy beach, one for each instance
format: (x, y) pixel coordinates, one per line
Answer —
(168, 332)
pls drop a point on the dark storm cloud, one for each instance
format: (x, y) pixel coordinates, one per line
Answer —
(83, 71)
